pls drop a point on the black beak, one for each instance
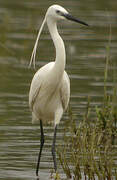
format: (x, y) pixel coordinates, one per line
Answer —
(71, 18)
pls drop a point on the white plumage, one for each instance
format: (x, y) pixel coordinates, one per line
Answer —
(49, 94)
(50, 87)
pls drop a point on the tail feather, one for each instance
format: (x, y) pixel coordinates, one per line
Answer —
(35, 120)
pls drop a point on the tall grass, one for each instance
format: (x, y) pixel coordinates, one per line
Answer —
(89, 151)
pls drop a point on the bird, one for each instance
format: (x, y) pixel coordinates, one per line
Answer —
(49, 92)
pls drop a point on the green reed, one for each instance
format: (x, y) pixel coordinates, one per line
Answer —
(89, 150)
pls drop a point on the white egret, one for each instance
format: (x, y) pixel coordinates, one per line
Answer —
(50, 87)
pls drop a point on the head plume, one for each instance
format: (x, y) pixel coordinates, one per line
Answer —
(32, 60)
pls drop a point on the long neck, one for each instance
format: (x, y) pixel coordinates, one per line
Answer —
(59, 46)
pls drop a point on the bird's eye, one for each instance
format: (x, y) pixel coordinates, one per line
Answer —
(57, 11)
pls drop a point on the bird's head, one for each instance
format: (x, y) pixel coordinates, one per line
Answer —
(57, 12)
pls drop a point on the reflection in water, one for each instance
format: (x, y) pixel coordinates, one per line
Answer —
(19, 139)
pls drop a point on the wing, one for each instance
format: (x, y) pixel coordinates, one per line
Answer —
(37, 83)
(65, 90)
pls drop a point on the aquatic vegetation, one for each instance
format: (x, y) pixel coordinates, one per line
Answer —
(89, 149)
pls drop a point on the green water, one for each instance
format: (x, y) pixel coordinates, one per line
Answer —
(86, 52)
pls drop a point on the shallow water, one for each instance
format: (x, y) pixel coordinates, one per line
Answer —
(86, 52)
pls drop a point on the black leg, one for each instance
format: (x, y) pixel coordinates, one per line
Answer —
(53, 149)
(41, 147)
